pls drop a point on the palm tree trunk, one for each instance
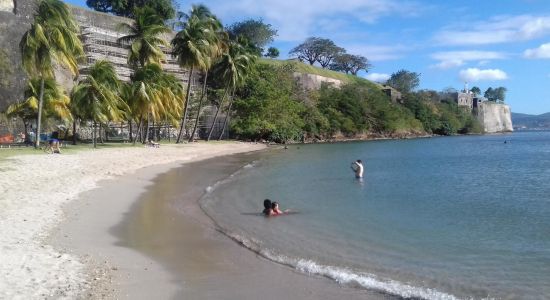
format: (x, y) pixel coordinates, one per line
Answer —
(148, 128)
(138, 133)
(186, 106)
(94, 134)
(227, 115)
(200, 107)
(74, 132)
(39, 119)
(130, 137)
(216, 115)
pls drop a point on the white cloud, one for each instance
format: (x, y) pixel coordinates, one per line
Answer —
(474, 74)
(453, 59)
(543, 51)
(296, 20)
(502, 29)
(378, 77)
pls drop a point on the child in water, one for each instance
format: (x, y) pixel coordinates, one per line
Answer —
(272, 208)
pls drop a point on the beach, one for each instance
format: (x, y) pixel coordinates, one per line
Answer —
(36, 188)
(69, 230)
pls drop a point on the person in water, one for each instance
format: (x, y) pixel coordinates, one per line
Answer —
(275, 208)
(268, 211)
(357, 167)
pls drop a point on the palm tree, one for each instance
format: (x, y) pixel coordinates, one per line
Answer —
(96, 97)
(192, 47)
(232, 70)
(144, 37)
(52, 38)
(56, 102)
(217, 47)
(156, 94)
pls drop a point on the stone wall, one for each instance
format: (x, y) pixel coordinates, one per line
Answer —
(313, 82)
(495, 117)
(15, 19)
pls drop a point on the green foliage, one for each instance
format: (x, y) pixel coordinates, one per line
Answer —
(52, 38)
(404, 81)
(496, 94)
(349, 63)
(56, 102)
(258, 33)
(445, 118)
(476, 90)
(296, 66)
(144, 37)
(272, 52)
(266, 108)
(126, 8)
(315, 49)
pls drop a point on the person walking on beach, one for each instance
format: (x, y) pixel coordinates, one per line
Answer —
(357, 167)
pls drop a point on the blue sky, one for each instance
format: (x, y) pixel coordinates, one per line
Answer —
(487, 43)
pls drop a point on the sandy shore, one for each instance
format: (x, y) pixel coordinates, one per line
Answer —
(35, 188)
(154, 241)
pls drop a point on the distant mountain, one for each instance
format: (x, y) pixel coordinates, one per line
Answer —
(533, 122)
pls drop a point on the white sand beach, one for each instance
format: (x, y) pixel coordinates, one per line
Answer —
(35, 188)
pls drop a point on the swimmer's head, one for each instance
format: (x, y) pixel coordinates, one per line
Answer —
(274, 204)
(359, 161)
(267, 203)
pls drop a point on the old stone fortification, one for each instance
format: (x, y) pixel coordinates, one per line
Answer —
(314, 82)
(495, 117)
(15, 19)
(99, 36)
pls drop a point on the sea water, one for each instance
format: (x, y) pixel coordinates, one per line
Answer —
(438, 218)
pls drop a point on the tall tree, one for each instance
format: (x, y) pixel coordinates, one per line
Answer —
(272, 52)
(52, 39)
(126, 8)
(145, 37)
(350, 63)
(96, 97)
(217, 46)
(316, 49)
(476, 90)
(404, 81)
(155, 94)
(328, 51)
(231, 69)
(258, 33)
(56, 103)
(192, 48)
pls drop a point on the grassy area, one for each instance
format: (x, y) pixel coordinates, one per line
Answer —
(309, 69)
(66, 149)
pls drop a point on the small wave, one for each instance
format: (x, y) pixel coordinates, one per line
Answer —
(209, 189)
(342, 275)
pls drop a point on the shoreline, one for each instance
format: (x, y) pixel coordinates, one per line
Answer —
(157, 242)
(35, 189)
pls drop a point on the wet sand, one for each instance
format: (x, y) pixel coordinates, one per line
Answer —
(154, 241)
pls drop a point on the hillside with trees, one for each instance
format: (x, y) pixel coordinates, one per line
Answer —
(256, 98)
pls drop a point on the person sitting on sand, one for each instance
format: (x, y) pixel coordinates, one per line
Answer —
(268, 211)
(153, 144)
(53, 146)
(357, 167)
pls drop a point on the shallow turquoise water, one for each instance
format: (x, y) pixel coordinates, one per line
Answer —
(439, 218)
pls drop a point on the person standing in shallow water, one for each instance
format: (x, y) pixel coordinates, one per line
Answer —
(357, 167)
